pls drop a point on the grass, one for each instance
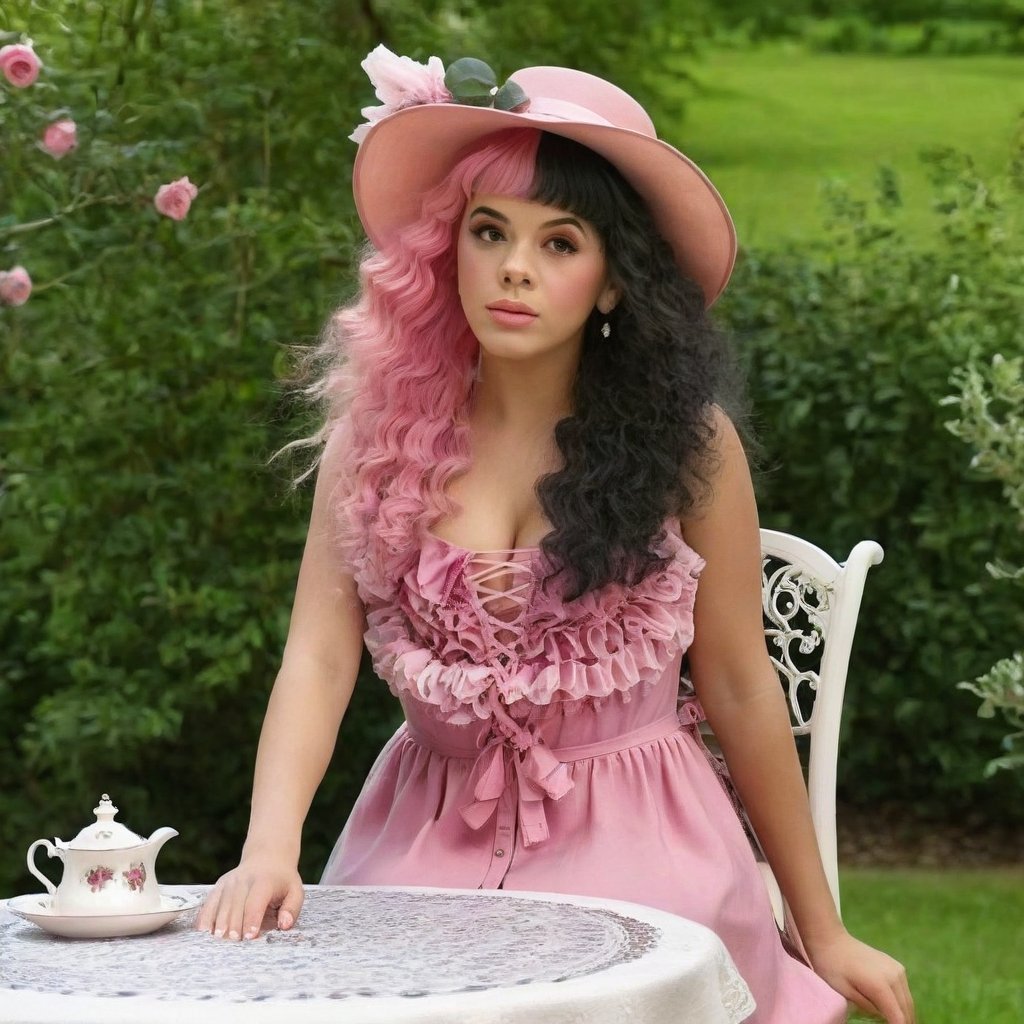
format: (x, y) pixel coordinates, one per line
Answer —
(769, 124)
(960, 935)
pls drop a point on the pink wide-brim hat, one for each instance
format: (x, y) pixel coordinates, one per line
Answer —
(409, 152)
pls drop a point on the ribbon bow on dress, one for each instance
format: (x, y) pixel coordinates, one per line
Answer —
(512, 749)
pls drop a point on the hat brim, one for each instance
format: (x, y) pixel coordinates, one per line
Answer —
(408, 153)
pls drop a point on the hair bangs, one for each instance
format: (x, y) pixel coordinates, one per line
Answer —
(505, 165)
(573, 177)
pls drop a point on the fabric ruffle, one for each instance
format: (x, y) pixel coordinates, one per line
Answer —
(430, 636)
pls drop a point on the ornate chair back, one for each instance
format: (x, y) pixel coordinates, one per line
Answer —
(811, 603)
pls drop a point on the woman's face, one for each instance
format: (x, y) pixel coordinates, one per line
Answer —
(529, 276)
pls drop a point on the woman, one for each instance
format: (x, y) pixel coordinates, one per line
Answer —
(527, 468)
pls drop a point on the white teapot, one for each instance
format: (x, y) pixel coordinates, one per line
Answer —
(108, 869)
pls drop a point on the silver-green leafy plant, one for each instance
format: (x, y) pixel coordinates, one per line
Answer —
(990, 404)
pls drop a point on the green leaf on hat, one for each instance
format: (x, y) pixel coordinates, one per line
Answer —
(509, 96)
(470, 81)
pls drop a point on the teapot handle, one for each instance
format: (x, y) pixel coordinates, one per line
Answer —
(51, 851)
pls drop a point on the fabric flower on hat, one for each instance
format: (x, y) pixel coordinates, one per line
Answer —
(60, 138)
(400, 82)
(174, 199)
(19, 64)
(15, 286)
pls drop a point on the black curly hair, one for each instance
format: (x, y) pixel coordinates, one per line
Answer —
(639, 445)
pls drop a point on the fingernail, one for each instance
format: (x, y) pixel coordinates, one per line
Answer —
(219, 933)
(232, 935)
(286, 920)
(250, 932)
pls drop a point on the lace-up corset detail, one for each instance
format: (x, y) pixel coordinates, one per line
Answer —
(503, 589)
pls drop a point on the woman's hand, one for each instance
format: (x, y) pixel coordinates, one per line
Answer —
(871, 979)
(236, 905)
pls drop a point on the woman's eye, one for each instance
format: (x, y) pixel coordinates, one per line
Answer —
(562, 245)
(488, 233)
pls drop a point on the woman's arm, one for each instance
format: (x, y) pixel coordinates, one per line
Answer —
(310, 696)
(738, 688)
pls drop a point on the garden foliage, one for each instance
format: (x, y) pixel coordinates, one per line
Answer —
(990, 407)
(148, 549)
(850, 343)
(898, 27)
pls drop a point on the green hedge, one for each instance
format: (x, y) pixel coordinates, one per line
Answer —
(147, 552)
(850, 348)
(909, 28)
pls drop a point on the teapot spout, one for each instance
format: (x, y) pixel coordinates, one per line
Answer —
(160, 836)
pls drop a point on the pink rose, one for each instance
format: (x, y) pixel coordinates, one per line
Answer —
(19, 64)
(15, 286)
(60, 138)
(400, 82)
(174, 199)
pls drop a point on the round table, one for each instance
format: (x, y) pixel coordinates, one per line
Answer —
(387, 955)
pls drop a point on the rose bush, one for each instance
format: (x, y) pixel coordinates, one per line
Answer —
(20, 65)
(147, 552)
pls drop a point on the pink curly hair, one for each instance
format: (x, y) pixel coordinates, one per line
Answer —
(402, 359)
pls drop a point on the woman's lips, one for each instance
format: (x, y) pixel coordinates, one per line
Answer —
(507, 318)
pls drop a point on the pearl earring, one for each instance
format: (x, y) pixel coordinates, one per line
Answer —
(606, 329)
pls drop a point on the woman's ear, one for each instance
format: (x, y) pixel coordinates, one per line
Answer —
(609, 298)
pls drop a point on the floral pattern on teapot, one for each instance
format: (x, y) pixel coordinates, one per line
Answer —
(135, 876)
(98, 877)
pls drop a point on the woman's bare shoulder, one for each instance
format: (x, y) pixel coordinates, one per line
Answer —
(726, 473)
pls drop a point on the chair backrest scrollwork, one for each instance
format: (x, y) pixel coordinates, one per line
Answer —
(797, 609)
(811, 603)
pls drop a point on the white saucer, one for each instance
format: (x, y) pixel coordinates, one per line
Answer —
(36, 908)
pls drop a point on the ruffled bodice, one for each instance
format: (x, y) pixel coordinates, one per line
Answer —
(464, 631)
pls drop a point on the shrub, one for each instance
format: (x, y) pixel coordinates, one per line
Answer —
(950, 28)
(147, 554)
(850, 344)
(990, 403)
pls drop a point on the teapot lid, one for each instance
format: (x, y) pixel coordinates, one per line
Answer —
(105, 833)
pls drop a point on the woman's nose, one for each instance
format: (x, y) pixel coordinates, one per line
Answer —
(514, 268)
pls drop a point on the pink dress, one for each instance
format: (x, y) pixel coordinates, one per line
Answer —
(543, 750)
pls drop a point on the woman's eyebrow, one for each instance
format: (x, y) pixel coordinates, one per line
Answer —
(564, 220)
(489, 212)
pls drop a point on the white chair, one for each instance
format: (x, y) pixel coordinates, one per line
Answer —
(811, 603)
(810, 600)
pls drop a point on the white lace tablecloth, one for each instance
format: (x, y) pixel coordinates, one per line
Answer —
(388, 955)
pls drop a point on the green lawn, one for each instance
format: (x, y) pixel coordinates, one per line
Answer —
(960, 935)
(769, 124)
